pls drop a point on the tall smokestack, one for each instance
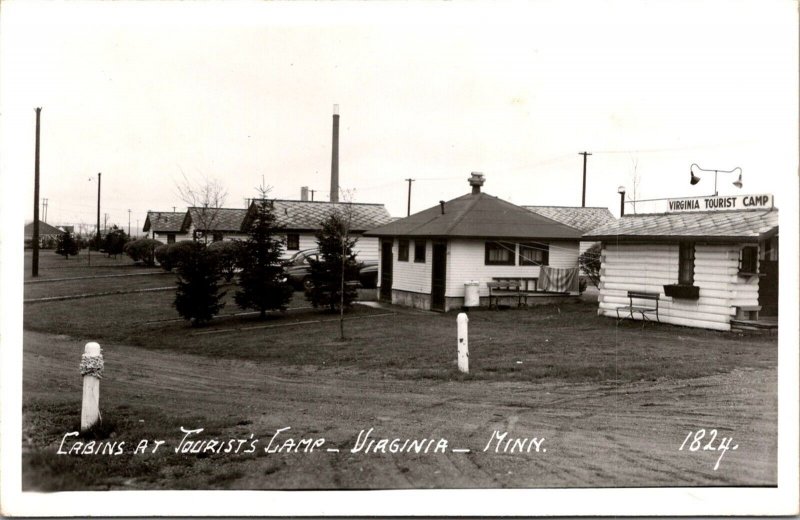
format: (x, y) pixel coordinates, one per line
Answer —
(335, 156)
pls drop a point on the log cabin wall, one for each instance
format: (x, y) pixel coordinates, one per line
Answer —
(648, 267)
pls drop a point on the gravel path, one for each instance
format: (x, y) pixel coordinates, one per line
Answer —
(595, 435)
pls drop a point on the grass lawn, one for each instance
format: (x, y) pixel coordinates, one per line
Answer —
(568, 342)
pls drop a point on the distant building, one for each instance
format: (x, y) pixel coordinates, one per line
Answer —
(714, 269)
(215, 224)
(166, 226)
(47, 235)
(583, 219)
(427, 257)
(301, 219)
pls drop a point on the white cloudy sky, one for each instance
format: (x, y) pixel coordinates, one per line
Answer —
(146, 92)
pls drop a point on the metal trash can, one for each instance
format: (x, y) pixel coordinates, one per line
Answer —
(471, 295)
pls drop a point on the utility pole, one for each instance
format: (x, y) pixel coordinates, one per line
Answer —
(129, 223)
(408, 211)
(35, 263)
(583, 199)
(99, 175)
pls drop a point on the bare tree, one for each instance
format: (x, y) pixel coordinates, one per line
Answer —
(637, 180)
(208, 197)
(346, 214)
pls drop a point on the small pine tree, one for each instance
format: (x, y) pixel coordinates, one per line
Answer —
(337, 260)
(66, 245)
(262, 282)
(198, 298)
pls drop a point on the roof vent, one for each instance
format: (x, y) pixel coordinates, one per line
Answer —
(476, 180)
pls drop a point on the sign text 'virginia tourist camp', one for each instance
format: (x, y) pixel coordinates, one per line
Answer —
(716, 203)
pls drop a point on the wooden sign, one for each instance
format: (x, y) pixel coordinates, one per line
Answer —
(720, 203)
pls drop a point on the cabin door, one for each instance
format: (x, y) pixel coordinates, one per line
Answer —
(386, 270)
(768, 288)
(439, 275)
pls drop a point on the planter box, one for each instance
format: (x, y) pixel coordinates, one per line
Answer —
(686, 292)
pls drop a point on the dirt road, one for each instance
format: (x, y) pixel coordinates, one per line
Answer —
(595, 435)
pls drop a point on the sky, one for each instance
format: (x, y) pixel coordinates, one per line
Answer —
(155, 94)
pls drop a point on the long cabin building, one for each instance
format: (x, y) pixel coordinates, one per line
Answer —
(715, 268)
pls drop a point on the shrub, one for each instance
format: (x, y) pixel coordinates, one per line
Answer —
(160, 253)
(227, 253)
(114, 241)
(198, 298)
(142, 250)
(177, 251)
(66, 245)
(589, 262)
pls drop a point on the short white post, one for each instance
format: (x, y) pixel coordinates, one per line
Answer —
(463, 344)
(92, 371)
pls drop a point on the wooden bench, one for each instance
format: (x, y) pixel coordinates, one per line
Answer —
(504, 288)
(641, 309)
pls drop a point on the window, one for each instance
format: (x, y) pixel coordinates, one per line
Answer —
(402, 253)
(534, 254)
(499, 253)
(686, 263)
(170, 238)
(419, 251)
(292, 242)
(217, 237)
(748, 260)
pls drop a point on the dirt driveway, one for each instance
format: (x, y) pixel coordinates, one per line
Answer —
(595, 434)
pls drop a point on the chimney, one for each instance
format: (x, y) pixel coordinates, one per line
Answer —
(476, 180)
(441, 203)
(335, 156)
(304, 193)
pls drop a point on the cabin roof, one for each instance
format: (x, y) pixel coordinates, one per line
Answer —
(584, 219)
(44, 229)
(215, 219)
(477, 215)
(165, 221)
(305, 215)
(738, 225)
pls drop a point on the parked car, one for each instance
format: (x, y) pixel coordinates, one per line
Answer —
(298, 270)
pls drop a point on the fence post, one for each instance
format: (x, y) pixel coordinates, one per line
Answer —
(463, 344)
(92, 371)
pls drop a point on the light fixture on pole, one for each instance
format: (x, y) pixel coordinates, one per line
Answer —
(694, 179)
(621, 191)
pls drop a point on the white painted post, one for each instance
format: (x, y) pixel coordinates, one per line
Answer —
(463, 347)
(91, 369)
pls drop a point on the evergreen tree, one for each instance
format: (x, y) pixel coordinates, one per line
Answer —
(198, 298)
(262, 282)
(66, 245)
(114, 241)
(336, 266)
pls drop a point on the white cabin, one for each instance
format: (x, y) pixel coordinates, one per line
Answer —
(428, 257)
(710, 269)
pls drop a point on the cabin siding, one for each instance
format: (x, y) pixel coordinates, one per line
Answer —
(411, 276)
(648, 267)
(163, 237)
(466, 262)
